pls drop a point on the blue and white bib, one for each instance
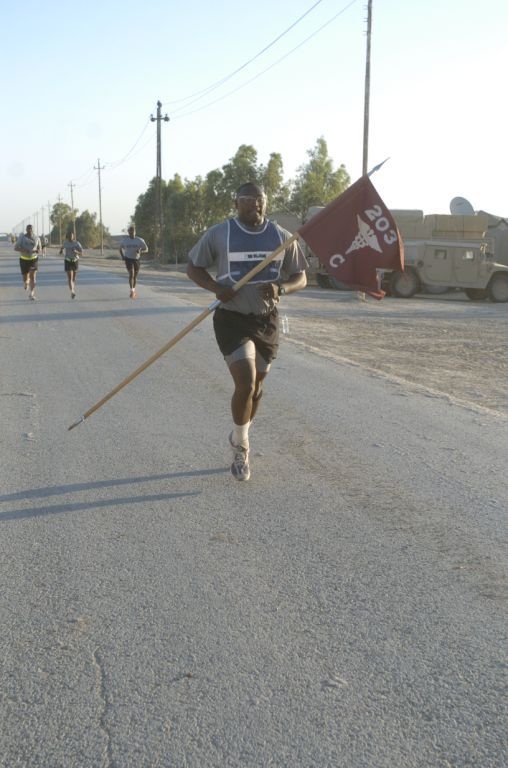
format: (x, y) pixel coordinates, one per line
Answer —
(246, 249)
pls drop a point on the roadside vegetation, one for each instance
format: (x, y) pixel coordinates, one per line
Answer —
(189, 206)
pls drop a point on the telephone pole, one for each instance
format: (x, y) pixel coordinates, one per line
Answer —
(159, 224)
(49, 223)
(367, 93)
(99, 169)
(59, 220)
(71, 185)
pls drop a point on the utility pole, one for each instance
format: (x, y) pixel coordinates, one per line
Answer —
(99, 169)
(71, 185)
(42, 218)
(159, 224)
(49, 223)
(59, 220)
(367, 93)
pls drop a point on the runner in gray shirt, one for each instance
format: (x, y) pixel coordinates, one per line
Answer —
(71, 250)
(131, 249)
(28, 246)
(246, 323)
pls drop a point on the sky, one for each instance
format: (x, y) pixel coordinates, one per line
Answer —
(80, 82)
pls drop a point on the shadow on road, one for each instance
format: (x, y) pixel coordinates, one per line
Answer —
(39, 509)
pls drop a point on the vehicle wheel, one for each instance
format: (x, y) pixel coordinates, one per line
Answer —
(386, 283)
(338, 285)
(405, 284)
(476, 294)
(323, 280)
(497, 288)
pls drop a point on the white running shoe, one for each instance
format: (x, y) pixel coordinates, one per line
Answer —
(240, 467)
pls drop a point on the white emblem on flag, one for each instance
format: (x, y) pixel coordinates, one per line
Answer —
(337, 260)
(366, 237)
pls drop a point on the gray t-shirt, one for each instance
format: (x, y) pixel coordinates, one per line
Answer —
(71, 249)
(133, 247)
(28, 247)
(233, 250)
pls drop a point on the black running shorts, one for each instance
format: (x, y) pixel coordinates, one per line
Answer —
(28, 265)
(71, 266)
(132, 264)
(233, 329)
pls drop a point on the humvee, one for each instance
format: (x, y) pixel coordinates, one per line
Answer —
(446, 252)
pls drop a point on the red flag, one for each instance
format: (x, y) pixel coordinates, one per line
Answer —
(354, 236)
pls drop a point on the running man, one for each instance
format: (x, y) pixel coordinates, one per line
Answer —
(28, 246)
(131, 249)
(72, 250)
(246, 323)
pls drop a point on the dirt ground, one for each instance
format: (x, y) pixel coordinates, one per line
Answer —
(445, 345)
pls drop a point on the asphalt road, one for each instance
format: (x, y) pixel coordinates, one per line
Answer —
(345, 607)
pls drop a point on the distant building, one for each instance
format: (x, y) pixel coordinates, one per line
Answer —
(287, 220)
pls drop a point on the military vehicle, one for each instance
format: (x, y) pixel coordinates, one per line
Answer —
(444, 252)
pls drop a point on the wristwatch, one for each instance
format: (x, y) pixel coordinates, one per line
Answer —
(282, 290)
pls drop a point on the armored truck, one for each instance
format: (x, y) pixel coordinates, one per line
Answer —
(444, 252)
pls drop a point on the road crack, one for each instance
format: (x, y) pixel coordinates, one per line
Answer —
(102, 694)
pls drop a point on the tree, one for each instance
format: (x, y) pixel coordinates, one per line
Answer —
(61, 218)
(178, 211)
(88, 231)
(241, 168)
(316, 182)
(272, 179)
(216, 202)
(85, 226)
(191, 206)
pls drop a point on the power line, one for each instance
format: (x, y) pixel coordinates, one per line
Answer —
(199, 94)
(218, 83)
(264, 71)
(149, 140)
(117, 163)
(78, 178)
(89, 180)
(208, 89)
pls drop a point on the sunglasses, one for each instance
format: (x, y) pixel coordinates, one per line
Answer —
(252, 199)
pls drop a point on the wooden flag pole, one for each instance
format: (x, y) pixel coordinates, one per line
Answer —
(171, 343)
(141, 368)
